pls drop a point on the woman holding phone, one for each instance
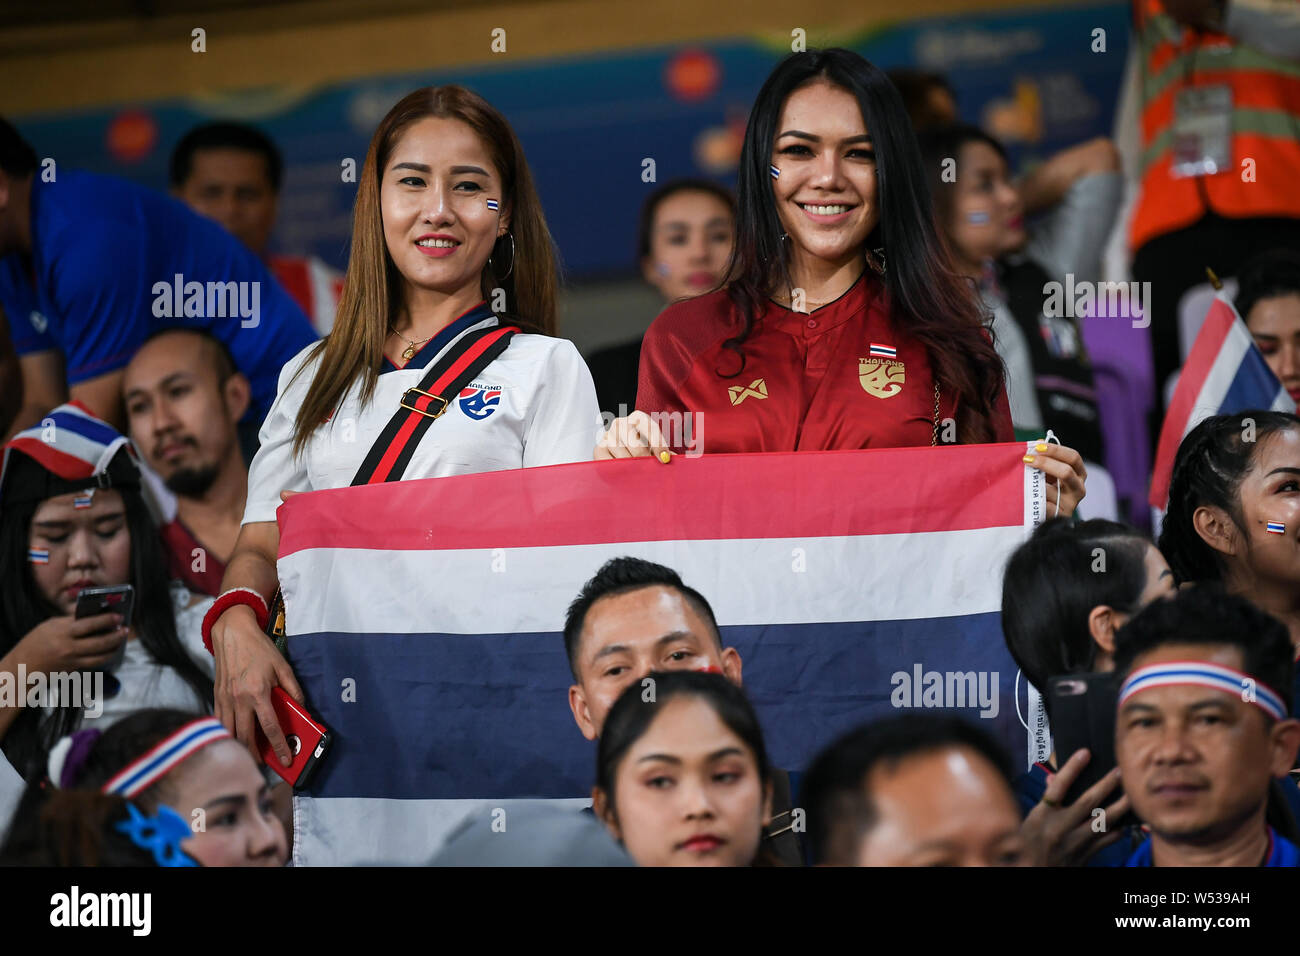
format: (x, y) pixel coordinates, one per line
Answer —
(74, 514)
(842, 324)
(447, 231)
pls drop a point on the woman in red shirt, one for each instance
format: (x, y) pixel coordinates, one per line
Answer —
(842, 324)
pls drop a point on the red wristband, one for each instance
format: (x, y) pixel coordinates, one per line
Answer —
(228, 600)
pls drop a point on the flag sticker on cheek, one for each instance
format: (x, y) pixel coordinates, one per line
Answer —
(776, 173)
(1276, 527)
(38, 555)
(84, 501)
(493, 205)
(977, 218)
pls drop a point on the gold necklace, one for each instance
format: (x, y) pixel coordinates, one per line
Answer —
(809, 304)
(411, 347)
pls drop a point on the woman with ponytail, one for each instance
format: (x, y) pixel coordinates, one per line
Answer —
(1234, 510)
(175, 785)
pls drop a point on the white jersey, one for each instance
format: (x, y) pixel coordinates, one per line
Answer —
(535, 404)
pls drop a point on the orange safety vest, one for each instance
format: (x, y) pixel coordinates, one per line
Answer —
(1265, 127)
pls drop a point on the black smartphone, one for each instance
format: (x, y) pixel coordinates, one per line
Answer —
(1082, 708)
(119, 599)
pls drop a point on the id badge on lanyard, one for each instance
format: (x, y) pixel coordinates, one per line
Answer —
(1202, 143)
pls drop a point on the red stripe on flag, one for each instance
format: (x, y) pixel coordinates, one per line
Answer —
(1206, 348)
(715, 497)
(52, 459)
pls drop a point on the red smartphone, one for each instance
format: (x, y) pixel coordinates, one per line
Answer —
(308, 740)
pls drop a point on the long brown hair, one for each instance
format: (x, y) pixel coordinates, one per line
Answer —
(928, 298)
(372, 297)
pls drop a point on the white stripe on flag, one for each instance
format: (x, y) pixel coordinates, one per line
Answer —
(396, 832)
(68, 442)
(884, 577)
(1226, 364)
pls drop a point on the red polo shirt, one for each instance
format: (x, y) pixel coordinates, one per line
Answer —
(179, 543)
(843, 376)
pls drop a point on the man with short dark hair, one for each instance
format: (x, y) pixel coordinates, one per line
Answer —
(91, 266)
(231, 172)
(913, 790)
(1202, 729)
(183, 400)
(634, 617)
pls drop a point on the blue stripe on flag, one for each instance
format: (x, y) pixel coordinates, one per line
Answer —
(480, 716)
(89, 428)
(1253, 386)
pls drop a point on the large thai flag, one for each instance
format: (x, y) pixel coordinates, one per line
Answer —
(1225, 374)
(425, 616)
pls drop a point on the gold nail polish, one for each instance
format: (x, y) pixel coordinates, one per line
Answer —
(1040, 447)
(1029, 459)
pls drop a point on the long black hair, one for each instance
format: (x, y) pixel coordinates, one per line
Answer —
(1208, 470)
(23, 607)
(929, 299)
(1053, 582)
(632, 715)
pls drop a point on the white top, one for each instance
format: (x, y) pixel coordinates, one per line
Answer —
(1009, 340)
(146, 683)
(1068, 240)
(535, 404)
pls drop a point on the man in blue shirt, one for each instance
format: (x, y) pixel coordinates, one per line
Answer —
(1203, 729)
(91, 266)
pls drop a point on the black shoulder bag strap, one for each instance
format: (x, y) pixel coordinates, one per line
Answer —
(422, 405)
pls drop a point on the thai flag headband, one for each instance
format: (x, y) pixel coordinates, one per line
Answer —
(145, 771)
(1201, 674)
(78, 452)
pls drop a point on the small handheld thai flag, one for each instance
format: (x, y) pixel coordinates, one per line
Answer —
(1276, 527)
(1224, 374)
(38, 555)
(84, 501)
(776, 173)
(493, 205)
(884, 351)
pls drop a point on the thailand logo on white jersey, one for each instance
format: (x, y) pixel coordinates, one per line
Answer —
(478, 401)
